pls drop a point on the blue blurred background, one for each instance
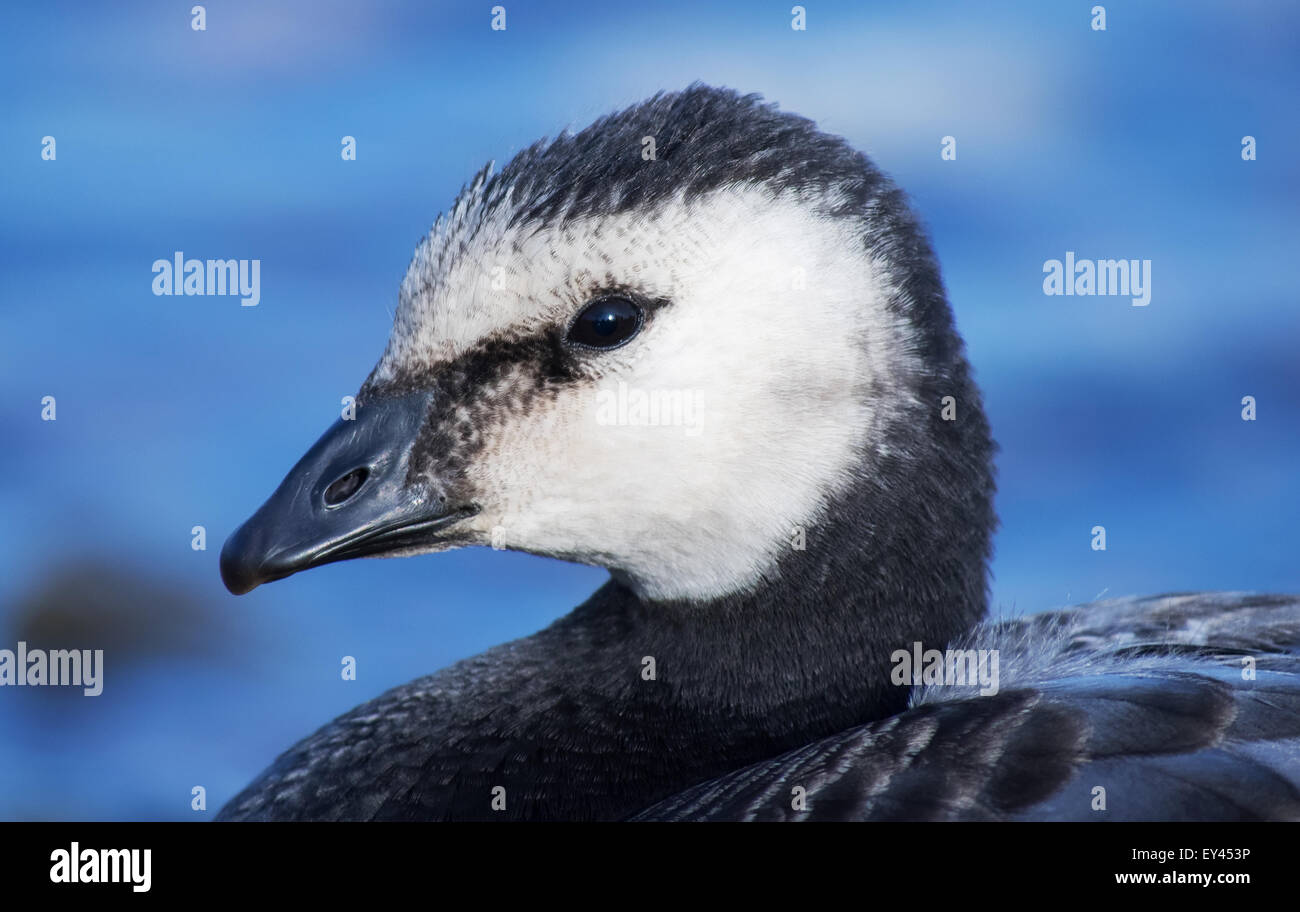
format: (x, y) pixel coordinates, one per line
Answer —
(180, 411)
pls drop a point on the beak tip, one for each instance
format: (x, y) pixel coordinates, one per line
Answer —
(237, 587)
(239, 574)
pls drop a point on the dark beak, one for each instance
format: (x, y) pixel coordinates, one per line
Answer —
(348, 497)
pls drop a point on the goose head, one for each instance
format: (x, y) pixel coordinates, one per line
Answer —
(699, 343)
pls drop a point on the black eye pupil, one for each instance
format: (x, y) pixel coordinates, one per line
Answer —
(606, 323)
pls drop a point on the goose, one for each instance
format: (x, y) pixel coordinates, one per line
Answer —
(705, 345)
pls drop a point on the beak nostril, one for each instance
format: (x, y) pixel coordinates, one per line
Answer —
(342, 489)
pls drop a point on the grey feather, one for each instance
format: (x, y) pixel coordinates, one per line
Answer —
(1144, 698)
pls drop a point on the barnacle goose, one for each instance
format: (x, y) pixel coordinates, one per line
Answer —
(767, 559)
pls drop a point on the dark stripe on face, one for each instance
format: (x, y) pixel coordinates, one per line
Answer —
(468, 398)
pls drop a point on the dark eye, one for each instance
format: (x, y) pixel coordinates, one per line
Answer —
(606, 323)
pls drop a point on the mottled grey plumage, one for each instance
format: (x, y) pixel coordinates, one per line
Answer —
(1144, 698)
(784, 682)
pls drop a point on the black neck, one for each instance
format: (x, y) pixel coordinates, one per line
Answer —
(569, 724)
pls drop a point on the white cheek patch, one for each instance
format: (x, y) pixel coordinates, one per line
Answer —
(696, 453)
